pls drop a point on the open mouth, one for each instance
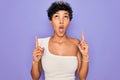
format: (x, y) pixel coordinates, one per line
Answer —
(61, 29)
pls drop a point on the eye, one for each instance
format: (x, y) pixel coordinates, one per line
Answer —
(66, 17)
(56, 16)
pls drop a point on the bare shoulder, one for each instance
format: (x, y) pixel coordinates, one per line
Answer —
(74, 40)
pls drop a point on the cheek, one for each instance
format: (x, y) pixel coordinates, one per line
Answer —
(54, 25)
(67, 24)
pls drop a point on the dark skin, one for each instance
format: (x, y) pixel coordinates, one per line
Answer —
(60, 44)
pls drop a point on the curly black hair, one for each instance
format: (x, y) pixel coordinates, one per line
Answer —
(59, 5)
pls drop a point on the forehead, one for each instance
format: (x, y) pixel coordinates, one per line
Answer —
(62, 12)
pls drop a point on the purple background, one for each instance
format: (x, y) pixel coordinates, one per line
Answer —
(22, 20)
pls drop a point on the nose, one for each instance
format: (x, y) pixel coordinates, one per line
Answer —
(61, 21)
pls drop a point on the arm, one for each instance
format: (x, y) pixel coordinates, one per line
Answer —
(36, 70)
(82, 66)
(83, 69)
(83, 59)
(36, 64)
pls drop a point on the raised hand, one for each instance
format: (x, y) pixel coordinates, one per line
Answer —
(38, 52)
(83, 46)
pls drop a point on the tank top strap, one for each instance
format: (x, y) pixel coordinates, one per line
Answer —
(43, 42)
(46, 41)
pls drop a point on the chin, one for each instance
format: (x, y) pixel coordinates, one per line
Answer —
(61, 34)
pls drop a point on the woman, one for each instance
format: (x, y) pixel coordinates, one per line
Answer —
(60, 56)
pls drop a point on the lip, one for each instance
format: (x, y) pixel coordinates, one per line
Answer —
(61, 27)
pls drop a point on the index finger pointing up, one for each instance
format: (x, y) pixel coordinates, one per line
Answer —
(83, 38)
(36, 42)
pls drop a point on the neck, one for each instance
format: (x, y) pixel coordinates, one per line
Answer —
(59, 38)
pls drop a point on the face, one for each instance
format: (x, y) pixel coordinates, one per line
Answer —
(60, 22)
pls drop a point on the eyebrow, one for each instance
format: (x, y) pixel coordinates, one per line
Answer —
(59, 13)
(66, 13)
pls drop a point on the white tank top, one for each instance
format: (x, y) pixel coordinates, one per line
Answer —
(57, 67)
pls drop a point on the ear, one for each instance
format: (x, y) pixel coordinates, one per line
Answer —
(50, 22)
